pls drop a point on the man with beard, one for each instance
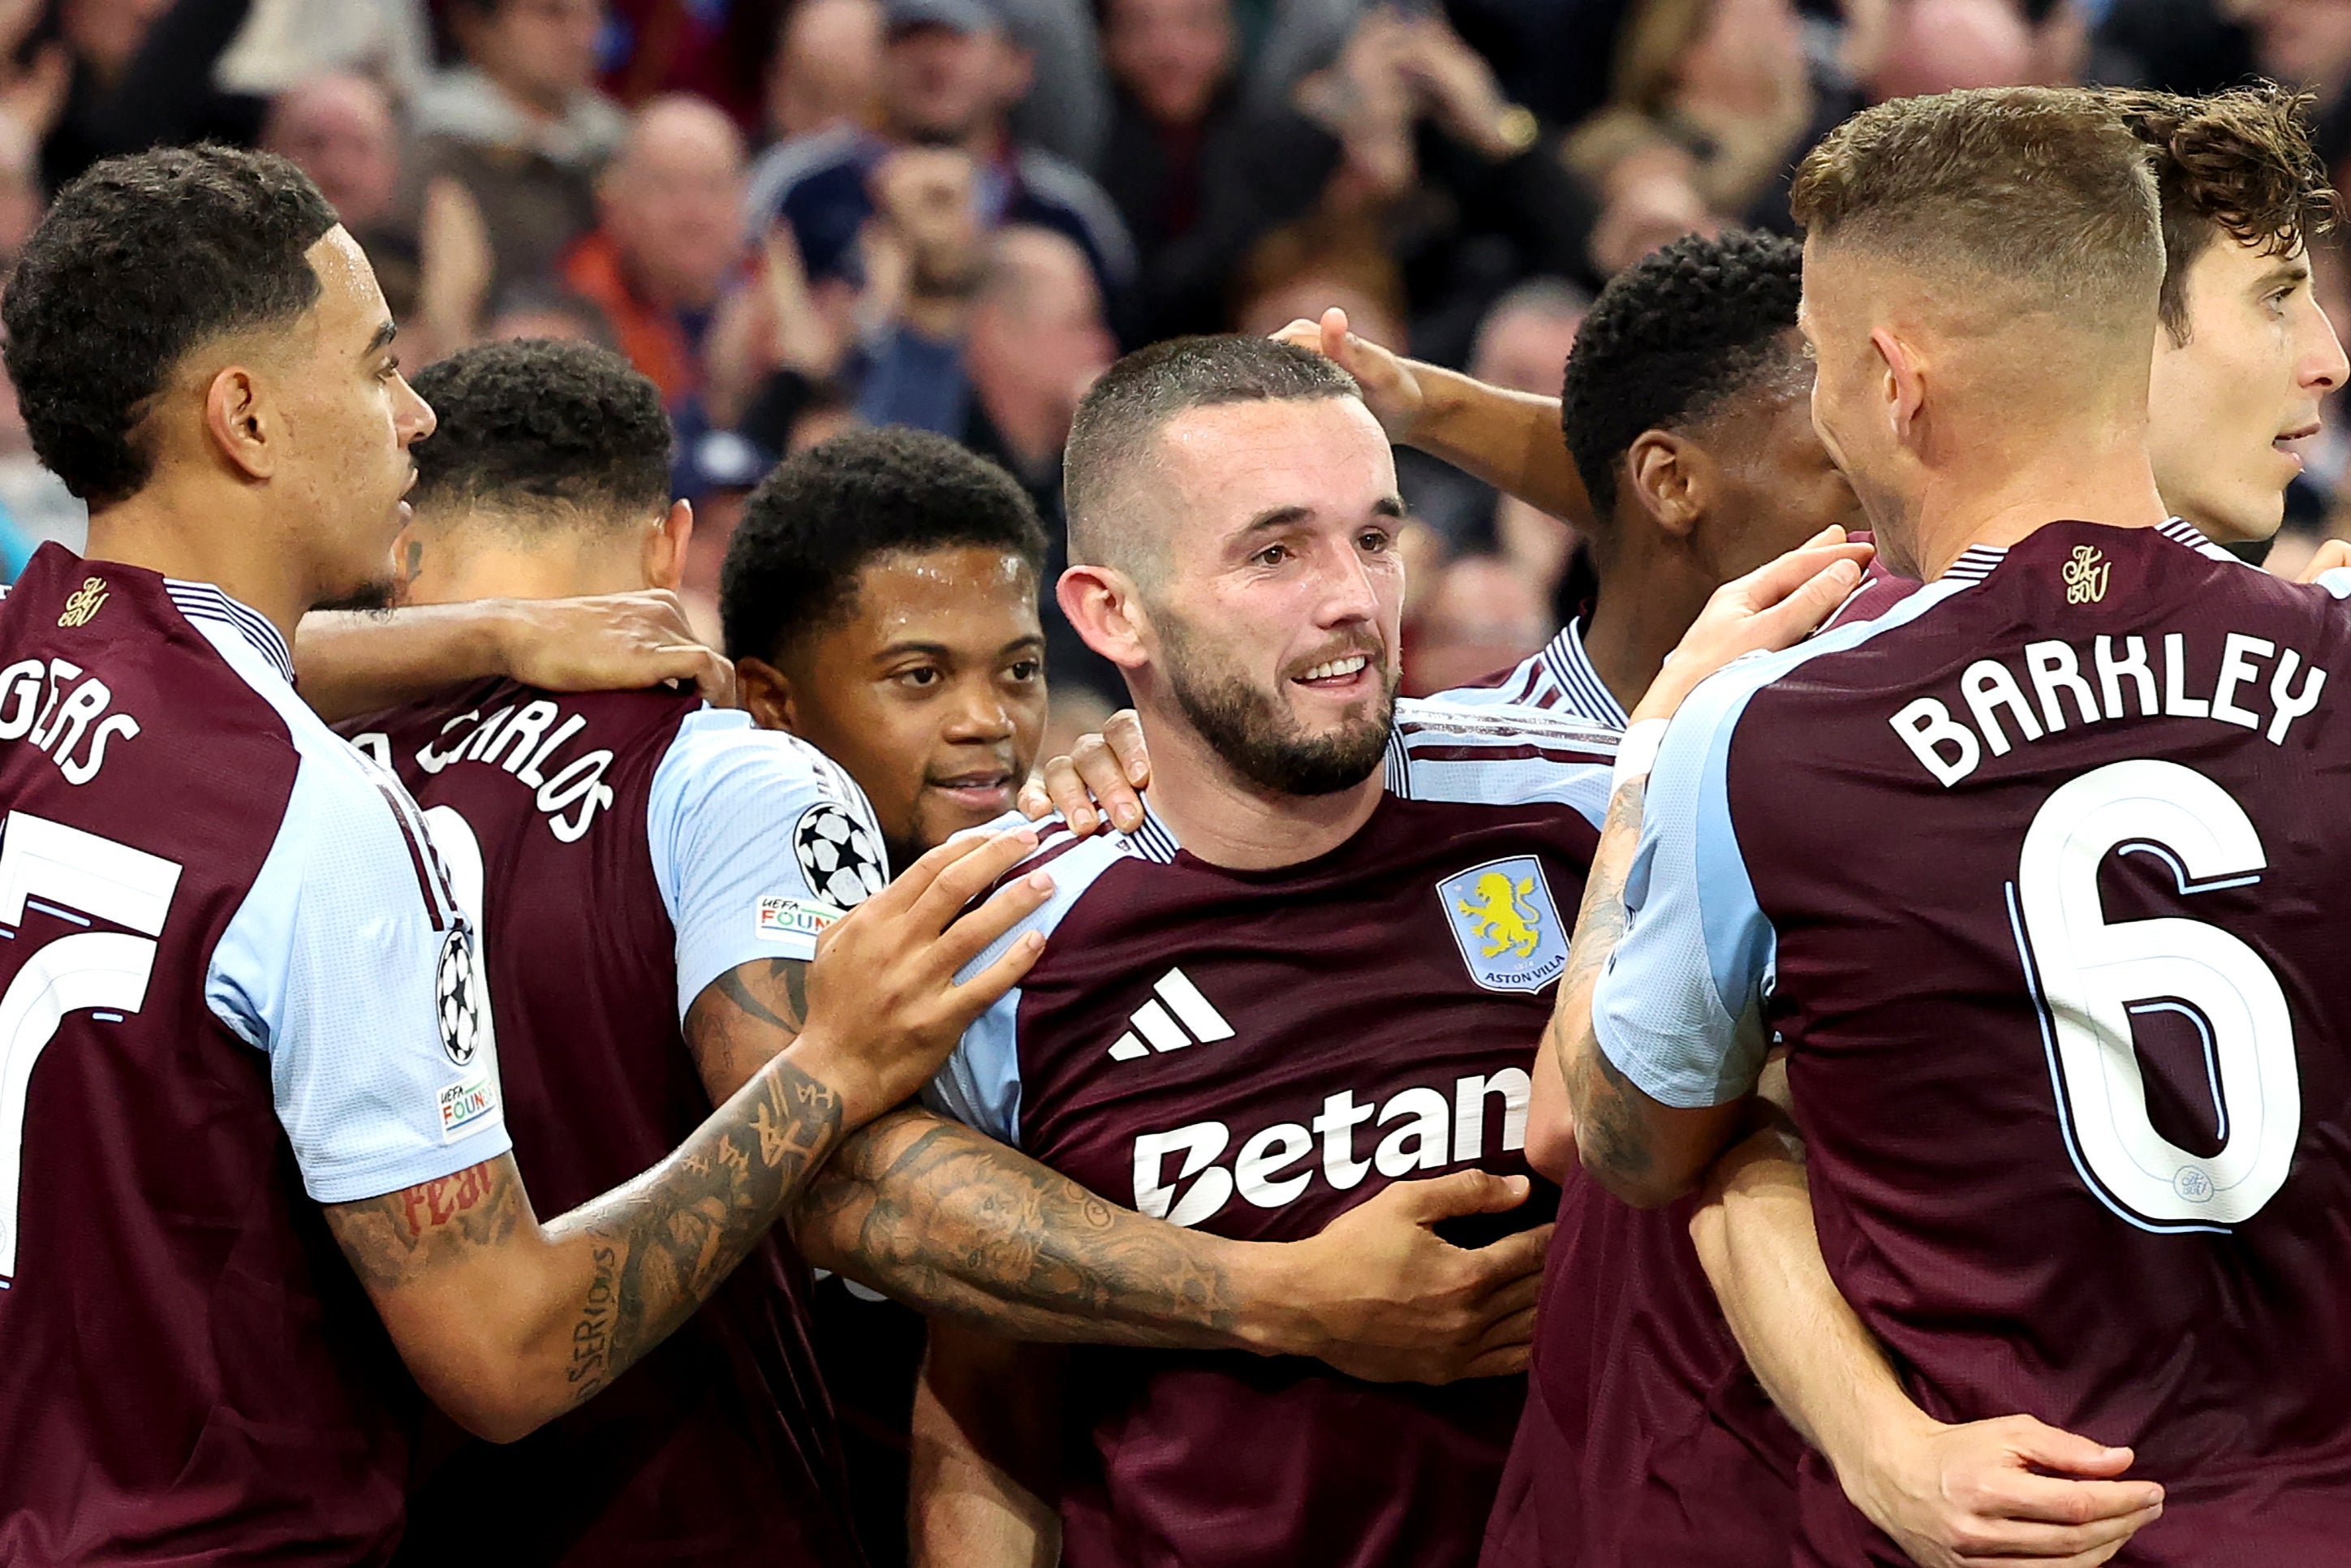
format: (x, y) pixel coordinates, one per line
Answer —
(1315, 967)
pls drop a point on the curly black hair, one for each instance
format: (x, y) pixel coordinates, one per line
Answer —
(1669, 339)
(813, 526)
(139, 261)
(535, 424)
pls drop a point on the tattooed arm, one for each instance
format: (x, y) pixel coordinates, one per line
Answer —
(507, 1322)
(957, 1225)
(1642, 1149)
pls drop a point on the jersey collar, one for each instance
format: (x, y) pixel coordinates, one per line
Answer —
(202, 602)
(1571, 667)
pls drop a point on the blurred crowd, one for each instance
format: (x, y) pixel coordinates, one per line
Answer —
(799, 215)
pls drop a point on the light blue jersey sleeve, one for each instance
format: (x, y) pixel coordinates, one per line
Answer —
(1678, 1009)
(980, 1084)
(759, 842)
(351, 969)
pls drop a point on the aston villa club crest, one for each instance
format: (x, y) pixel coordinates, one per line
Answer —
(1508, 927)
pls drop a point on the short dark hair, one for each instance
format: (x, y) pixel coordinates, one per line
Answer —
(2238, 162)
(2039, 191)
(140, 260)
(1122, 413)
(537, 424)
(1671, 339)
(814, 524)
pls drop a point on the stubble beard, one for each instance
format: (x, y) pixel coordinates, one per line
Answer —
(1253, 731)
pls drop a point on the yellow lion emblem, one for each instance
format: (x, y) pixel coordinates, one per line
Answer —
(1500, 917)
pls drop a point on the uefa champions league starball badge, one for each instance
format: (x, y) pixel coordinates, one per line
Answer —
(843, 864)
(458, 995)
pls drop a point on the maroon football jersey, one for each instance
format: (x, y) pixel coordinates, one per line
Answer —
(2036, 875)
(1256, 1052)
(719, 1447)
(1646, 1438)
(230, 973)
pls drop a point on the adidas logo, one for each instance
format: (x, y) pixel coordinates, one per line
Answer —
(1164, 1022)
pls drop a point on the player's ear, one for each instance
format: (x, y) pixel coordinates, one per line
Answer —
(665, 544)
(238, 423)
(1102, 603)
(1902, 384)
(1671, 478)
(766, 693)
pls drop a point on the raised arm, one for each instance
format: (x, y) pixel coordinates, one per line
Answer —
(1512, 440)
(358, 661)
(507, 1321)
(1949, 1495)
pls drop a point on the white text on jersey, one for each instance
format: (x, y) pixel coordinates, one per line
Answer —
(1428, 1130)
(30, 710)
(2095, 681)
(518, 739)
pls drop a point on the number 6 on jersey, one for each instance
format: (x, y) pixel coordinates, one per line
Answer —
(2091, 976)
(59, 865)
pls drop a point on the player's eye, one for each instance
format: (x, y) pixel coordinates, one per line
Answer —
(1272, 555)
(1376, 540)
(1026, 670)
(920, 678)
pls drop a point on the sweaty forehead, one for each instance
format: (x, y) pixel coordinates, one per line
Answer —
(1235, 461)
(350, 306)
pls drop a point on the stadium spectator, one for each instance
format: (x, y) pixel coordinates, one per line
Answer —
(1198, 172)
(341, 130)
(950, 75)
(669, 239)
(522, 126)
(1007, 384)
(826, 71)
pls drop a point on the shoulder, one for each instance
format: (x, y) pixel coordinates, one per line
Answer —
(1053, 184)
(727, 795)
(1500, 754)
(784, 168)
(719, 752)
(1079, 867)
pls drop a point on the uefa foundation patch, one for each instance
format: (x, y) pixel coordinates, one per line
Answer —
(776, 918)
(468, 1104)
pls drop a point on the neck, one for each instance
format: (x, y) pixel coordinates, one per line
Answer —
(202, 543)
(1649, 596)
(534, 106)
(2100, 473)
(1227, 821)
(569, 564)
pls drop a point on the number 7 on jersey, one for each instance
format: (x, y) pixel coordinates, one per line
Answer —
(63, 870)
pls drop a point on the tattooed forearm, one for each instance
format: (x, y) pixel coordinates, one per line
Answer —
(957, 1225)
(659, 1245)
(1608, 1129)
